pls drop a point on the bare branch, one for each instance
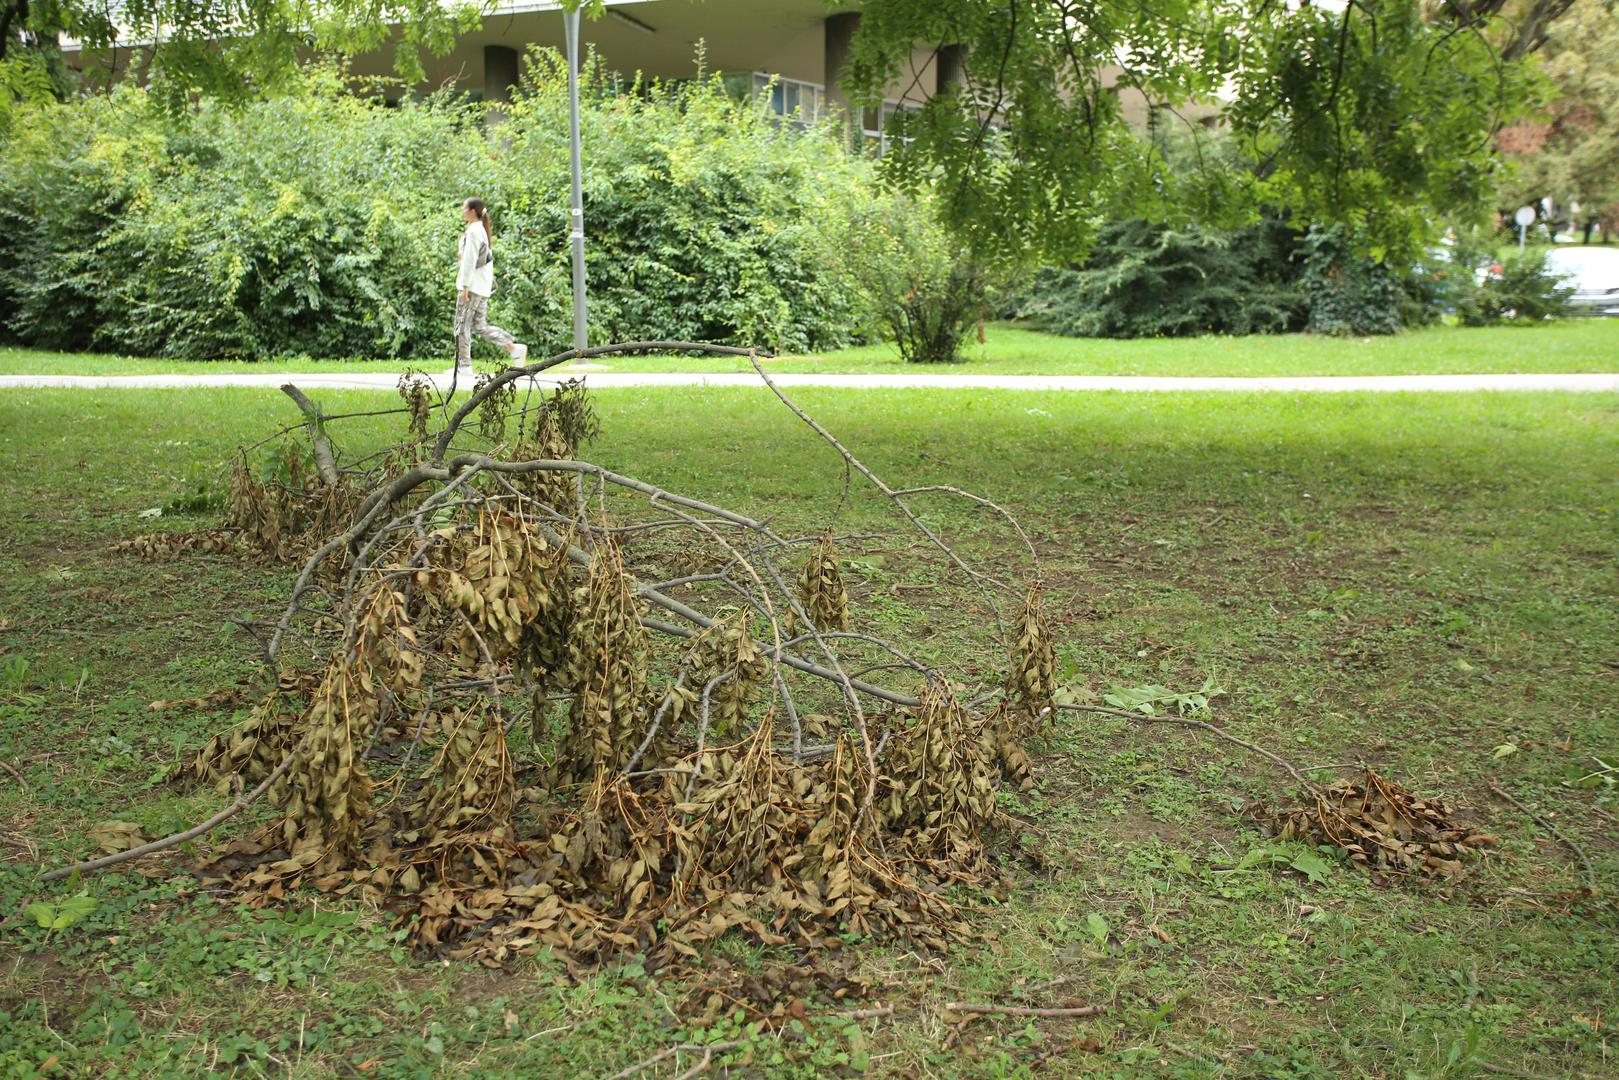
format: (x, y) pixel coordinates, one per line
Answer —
(175, 839)
(1076, 1012)
(1181, 721)
(325, 460)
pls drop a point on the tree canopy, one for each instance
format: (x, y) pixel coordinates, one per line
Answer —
(1379, 114)
(234, 49)
(1570, 149)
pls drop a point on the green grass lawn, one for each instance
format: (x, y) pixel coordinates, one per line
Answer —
(1422, 582)
(1578, 345)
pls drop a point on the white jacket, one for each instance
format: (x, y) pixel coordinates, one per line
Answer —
(473, 251)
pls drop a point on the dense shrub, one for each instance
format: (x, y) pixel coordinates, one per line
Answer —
(917, 285)
(707, 220)
(1348, 294)
(321, 224)
(313, 224)
(1516, 287)
(1146, 280)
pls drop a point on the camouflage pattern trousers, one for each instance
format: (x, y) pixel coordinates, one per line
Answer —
(472, 317)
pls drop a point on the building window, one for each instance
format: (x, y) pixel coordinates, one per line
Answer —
(800, 103)
(877, 127)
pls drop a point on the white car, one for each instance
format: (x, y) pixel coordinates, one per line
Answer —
(1593, 273)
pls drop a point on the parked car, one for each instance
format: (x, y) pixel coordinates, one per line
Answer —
(1593, 273)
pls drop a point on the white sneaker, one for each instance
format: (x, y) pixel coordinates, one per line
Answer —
(519, 353)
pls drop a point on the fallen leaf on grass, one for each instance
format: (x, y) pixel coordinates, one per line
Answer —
(115, 836)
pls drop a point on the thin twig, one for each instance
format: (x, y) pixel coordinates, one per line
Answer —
(1181, 721)
(12, 769)
(657, 717)
(525, 371)
(1585, 860)
(1500, 1070)
(982, 580)
(866, 1014)
(1025, 1010)
(175, 839)
(683, 1048)
(701, 1066)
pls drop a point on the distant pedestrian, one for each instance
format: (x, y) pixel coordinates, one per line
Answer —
(474, 282)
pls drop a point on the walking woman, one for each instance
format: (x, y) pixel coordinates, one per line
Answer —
(474, 281)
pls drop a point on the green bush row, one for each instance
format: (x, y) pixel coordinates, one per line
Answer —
(323, 224)
(1147, 280)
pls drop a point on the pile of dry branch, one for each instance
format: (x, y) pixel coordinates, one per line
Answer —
(522, 700)
(743, 756)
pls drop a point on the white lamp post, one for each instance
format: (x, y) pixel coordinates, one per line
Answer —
(576, 219)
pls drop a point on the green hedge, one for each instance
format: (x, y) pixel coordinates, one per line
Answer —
(325, 225)
(1350, 295)
(1147, 280)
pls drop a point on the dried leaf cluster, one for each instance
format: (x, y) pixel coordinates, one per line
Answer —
(1032, 686)
(287, 512)
(1383, 827)
(251, 749)
(820, 587)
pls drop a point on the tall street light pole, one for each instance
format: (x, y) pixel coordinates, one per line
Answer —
(576, 220)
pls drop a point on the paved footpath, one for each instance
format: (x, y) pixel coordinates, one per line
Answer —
(604, 380)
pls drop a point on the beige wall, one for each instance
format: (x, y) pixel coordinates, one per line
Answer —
(803, 57)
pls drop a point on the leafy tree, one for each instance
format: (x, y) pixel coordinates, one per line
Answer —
(1571, 150)
(237, 49)
(1376, 116)
(1516, 28)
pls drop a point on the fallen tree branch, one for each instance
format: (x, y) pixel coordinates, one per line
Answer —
(683, 1048)
(445, 546)
(1181, 721)
(1024, 1010)
(1585, 860)
(175, 839)
(325, 460)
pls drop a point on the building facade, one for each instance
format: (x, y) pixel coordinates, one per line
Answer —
(792, 50)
